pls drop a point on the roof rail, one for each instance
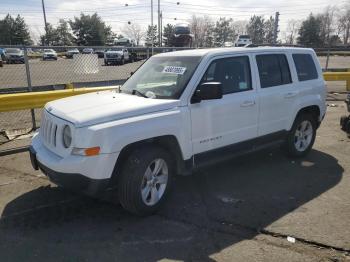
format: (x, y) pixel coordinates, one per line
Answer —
(271, 45)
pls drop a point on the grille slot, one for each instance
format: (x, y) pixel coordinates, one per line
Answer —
(48, 130)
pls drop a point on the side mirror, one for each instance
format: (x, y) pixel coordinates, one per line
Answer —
(208, 91)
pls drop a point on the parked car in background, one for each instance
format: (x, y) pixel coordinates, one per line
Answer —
(345, 120)
(228, 44)
(182, 36)
(116, 55)
(243, 40)
(178, 112)
(87, 51)
(71, 52)
(2, 54)
(126, 42)
(14, 55)
(100, 53)
(49, 54)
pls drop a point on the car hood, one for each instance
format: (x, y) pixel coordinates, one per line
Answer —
(95, 108)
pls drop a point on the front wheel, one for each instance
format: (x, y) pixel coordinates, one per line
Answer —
(302, 136)
(145, 180)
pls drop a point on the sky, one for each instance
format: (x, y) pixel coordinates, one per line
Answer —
(116, 14)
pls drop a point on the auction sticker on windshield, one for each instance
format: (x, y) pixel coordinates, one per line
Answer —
(178, 70)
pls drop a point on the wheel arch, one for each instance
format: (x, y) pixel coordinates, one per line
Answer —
(168, 142)
(313, 110)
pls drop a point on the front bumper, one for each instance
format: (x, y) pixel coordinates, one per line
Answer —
(50, 57)
(113, 59)
(90, 175)
(16, 59)
(74, 182)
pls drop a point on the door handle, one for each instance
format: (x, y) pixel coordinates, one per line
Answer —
(248, 103)
(290, 94)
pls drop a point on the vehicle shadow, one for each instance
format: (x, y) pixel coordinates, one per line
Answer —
(240, 196)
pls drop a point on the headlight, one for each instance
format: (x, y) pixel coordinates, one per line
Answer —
(67, 136)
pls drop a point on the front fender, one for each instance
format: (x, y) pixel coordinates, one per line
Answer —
(115, 135)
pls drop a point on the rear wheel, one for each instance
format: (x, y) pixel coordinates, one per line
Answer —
(145, 180)
(302, 136)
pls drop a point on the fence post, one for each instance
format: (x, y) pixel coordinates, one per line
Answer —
(327, 61)
(29, 83)
(348, 82)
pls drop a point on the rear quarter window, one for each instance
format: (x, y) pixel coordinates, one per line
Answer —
(305, 66)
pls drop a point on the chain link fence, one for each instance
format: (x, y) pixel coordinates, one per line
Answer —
(32, 69)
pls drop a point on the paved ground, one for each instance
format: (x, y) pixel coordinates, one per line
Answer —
(241, 210)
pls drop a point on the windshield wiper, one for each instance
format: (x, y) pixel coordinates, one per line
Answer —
(135, 91)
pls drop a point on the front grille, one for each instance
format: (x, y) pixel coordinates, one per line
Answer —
(48, 130)
(112, 55)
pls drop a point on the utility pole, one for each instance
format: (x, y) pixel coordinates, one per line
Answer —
(161, 29)
(152, 31)
(275, 33)
(159, 40)
(44, 12)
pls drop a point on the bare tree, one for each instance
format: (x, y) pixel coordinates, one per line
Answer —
(292, 31)
(327, 19)
(202, 30)
(134, 32)
(240, 27)
(343, 23)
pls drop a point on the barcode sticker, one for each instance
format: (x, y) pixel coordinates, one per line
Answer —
(178, 70)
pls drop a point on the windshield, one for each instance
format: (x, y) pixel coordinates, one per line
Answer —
(182, 30)
(13, 50)
(244, 37)
(115, 49)
(162, 77)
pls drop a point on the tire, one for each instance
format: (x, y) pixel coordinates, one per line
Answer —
(301, 137)
(122, 62)
(133, 179)
(343, 121)
(347, 128)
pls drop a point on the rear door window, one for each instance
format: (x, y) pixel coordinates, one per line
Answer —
(305, 66)
(273, 70)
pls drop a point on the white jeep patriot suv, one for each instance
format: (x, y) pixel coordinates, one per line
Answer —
(180, 111)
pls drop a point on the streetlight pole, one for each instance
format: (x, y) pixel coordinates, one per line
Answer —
(44, 12)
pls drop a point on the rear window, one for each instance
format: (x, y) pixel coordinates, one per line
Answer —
(273, 70)
(305, 67)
